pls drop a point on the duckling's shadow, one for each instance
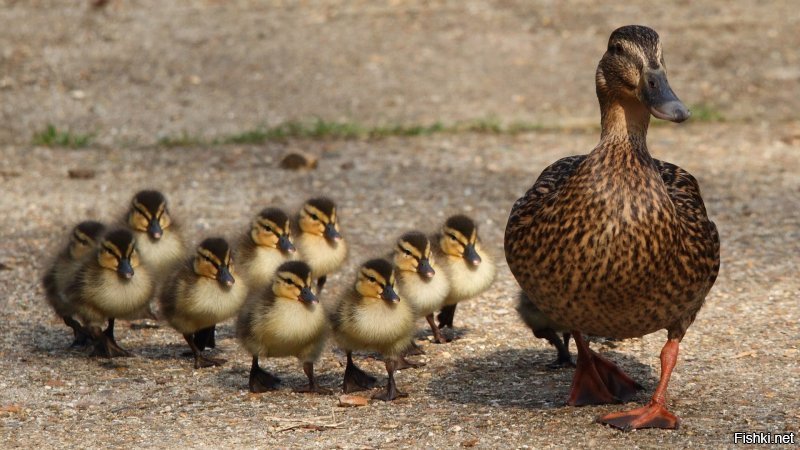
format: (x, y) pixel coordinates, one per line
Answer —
(520, 378)
(236, 376)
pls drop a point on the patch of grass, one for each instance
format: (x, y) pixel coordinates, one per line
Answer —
(182, 140)
(706, 113)
(320, 129)
(52, 137)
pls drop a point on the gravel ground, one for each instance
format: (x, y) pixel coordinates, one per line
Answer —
(134, 62)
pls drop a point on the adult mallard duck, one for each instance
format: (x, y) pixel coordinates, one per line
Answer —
(616, 243)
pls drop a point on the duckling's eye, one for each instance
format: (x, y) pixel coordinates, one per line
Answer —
(618, 48)
(452, 238)
(372, 279)
(267, 228)
(406, 252)
(314, 217)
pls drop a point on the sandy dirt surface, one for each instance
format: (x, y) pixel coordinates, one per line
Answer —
(136, 71)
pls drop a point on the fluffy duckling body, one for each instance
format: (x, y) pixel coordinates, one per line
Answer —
(418, 280)
(372, 317)
(470, 270)
(318, 239)
(616, 243)
(111, 284)
(203, 293)
(544, 328)
(266, 246)
(82, 242)
(284, 319)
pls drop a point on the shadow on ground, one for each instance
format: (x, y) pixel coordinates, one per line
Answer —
(520, 378)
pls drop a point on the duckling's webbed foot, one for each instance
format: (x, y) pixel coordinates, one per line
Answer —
(200, 360)
(446, 316)
(562, 347)
(598, 381)
(104, 347)
(356, 379)
(438, 337)
(205, 338)
(312, 386)
(261, 380)
(655, 414)
(403, 363)
(81, 336)
(414, 349)
(391, 391)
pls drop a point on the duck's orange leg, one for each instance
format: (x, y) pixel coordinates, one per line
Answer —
(597, 380)
(655, 414)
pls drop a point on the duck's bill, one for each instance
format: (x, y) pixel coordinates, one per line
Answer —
(307, 296)
(331, 233)
(225, 277)
(425, 269)
(154, 229)
(124, 269)
(659, 98)
(390, 295)
(285, 244)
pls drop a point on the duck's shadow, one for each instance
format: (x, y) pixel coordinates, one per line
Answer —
(520, 378)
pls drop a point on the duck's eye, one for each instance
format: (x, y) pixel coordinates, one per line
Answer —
(452, 238)
(618, 48)
(372, 279)
(267, 228)
(314, 217)
(406, 252)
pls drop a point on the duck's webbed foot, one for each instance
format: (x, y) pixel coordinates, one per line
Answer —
(403, 363)
(356, 379)
(200, 360)
(260, 379)
(598, 381)
(391, 392)
(651, 416)
(655, 414)
(312, 387)
(414, 349)
(105, 347)
(81, 337)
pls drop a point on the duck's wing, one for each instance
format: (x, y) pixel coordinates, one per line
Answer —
(701, 238)
(549, 183)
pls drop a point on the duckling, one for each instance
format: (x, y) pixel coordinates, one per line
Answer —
(469, 269)
(318, 240)
(158, 237)
(544, 328)
(372, 317)
(284, 319)
(83, 240)
(417, 278)
(616, 243)
(203, 293)
(266, 246)
(106, 287)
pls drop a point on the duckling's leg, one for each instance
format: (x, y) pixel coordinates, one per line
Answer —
(414, 349)
(403, 363)
(438, 338)
(104, 347)
(321, 282)
(562, 347)
(355, 379)
(655, 414)
(205, 338)
(446, 316)
(261, 380)
(200, 360)
(81, 337)
(598, 381)
(391, 391)
(308, 368)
